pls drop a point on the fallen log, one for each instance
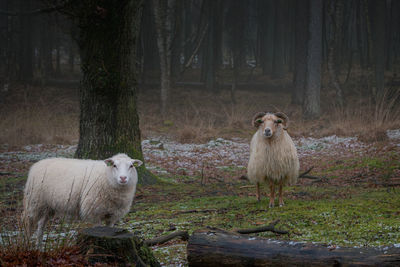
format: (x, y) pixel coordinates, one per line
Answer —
(221, 248)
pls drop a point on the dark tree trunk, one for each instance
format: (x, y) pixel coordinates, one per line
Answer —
(210, 62)
(278, 60)
(219, 248)
(311, 104)
(336, 14)
(109, 122)
(270, 37)
(163, 21)
(26, 44)
(379, 46)
(150, 57)
(301, 35)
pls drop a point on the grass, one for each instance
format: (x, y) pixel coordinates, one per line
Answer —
(51, 115)
(353, 216)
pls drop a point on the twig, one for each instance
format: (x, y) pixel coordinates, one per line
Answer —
(270, 227)
(194, 211)
(313, 177)
(247, 186)
(306, 172)
(162, 239)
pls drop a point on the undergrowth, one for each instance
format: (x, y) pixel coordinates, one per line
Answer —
(51, 115)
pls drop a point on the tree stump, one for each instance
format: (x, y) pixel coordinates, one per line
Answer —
(115, 245)
(221, 248)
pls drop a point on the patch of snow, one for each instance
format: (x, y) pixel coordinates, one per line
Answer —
(393, 134)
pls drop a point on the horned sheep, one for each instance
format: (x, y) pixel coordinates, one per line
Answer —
(93, 191)
(273, 155)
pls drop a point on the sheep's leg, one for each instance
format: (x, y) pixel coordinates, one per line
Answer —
(39, 233)
(281, 203)
(272, 194)
(258, 191)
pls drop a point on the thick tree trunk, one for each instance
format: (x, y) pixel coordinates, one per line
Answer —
(301, 35)
(218, 248)
(311, 104)
(109, 122)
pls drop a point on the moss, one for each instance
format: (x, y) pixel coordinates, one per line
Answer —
(351, 217)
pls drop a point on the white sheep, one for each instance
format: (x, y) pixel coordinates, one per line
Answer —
(273, 156)
(87, 190)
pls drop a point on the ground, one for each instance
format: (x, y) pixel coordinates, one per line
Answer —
(355, 201)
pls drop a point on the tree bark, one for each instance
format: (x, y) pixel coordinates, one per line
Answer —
(278, 60)
(301, 35)
(26, 44)
(219, 248)
(379, 46)
(163, 22)
(311, 104)
(109, 122)
(336, 14)
(109, 245)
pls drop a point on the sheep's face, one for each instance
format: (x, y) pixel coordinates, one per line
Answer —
(123, 170)
(270, 125)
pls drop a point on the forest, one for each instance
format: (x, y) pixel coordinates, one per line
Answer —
(194, 92)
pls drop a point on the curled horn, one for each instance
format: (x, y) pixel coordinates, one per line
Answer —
(257, 116)
(285, 119)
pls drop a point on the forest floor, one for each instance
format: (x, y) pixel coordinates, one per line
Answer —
(200, 152)
(355, 203)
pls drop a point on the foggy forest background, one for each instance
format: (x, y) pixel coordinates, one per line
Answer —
(204, 67)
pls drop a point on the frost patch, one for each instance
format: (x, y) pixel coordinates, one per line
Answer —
(393, 134)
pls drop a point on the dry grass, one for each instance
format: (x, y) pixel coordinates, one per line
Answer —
(31, 115)
(51, 115)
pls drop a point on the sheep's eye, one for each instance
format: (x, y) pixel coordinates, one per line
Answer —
(115, 166)
(259, 121)
(131, 166)
(278, 121)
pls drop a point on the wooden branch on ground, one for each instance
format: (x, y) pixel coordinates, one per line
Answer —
(194, 211)
(211, 247)
(162, 239)
(265, 228)
(247, 186)
(306, 172)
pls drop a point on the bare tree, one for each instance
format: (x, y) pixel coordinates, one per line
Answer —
(311, 104)
(163, 17)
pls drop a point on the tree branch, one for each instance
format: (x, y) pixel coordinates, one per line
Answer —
(162, 239)
(265, 228)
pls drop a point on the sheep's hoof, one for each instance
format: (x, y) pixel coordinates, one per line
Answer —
(271, 205)
(281, 205)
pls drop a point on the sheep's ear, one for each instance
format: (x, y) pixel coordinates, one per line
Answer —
(284, 117)
(137, 163)
(257, 119)
(109, 162)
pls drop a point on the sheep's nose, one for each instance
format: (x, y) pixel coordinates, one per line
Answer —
(123, 179)
(267, 132)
